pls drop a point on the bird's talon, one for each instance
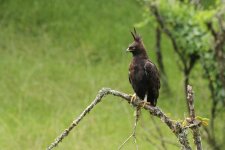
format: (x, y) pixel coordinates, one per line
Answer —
(133, 97)
(145, 103)
(143, 74)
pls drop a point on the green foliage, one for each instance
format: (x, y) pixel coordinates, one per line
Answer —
(204, 121)
(188, 25)
(210, 60)
(212, 73)
(56, 55)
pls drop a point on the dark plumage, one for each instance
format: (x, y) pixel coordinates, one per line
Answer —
(143, 74)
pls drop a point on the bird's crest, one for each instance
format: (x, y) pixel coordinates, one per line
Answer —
(136, 36)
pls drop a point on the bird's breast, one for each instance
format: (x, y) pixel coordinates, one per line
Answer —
(137, 73)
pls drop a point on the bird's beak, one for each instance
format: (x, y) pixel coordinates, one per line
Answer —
(128, 49)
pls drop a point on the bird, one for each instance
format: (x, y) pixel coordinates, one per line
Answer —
(143, 73)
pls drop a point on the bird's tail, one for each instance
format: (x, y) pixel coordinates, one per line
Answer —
(154, 102)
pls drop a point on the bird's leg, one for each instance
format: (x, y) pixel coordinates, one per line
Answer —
(145, 102)
(133, 97)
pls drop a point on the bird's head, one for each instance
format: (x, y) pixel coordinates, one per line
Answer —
(137, 47)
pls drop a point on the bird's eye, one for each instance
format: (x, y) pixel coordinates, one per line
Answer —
(132, 47)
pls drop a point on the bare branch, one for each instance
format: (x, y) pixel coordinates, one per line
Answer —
(98, 98)
(175, 126)
(137, 115)
(195, 129)
(161, 23)
(186, 69)
(191, 102)
(219, 41)
(211, 29)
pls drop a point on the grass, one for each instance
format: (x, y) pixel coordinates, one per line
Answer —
(56, 55)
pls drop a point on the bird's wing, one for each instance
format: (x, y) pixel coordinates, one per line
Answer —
(129, 77)
(152, 74)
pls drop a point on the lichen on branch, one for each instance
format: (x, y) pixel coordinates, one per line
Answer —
(175, 126)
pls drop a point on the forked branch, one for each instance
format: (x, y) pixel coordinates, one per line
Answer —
(175, 126)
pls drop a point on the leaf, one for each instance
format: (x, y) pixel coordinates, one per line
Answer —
(204, 121)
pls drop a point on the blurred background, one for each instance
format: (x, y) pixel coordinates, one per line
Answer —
(56, 55)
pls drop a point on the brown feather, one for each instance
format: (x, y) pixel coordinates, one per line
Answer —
(143, 74)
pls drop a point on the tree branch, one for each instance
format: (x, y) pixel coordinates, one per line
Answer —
(137, 115)
(211, 29)
(175, 126)
(160, 20)
(161, 23)
(195, 129)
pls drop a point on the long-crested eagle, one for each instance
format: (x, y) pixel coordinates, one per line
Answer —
(143, 74)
